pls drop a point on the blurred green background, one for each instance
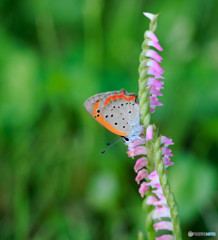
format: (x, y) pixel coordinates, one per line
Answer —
(54, 184)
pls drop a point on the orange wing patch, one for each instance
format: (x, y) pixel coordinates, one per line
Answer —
(97, 115)
(121, 96)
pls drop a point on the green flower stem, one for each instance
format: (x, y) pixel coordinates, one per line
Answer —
(161, 171)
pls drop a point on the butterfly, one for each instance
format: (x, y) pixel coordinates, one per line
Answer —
(118, 111)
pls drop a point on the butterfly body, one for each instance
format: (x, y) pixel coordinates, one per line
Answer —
(118, 111)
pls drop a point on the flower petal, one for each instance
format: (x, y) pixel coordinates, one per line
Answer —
(161, 212)
(151, 35)
(167, 162)
(155, 91)
(166, 141)
(149, 15)
(165, 237)
(149, 132)
(143, 189)
(135, 142)
(140, 163)
(154, 82)
(155, 45)
(142, 174)
(153, 54)
(155, 66)
(140, 150)
(163, 225)
(154, 102)
(167, 151)
(151, 71)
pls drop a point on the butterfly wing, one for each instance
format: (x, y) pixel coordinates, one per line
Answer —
(118, 111)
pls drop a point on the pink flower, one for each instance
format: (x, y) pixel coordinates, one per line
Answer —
(154, 102)
(142, 174)
(143, 189)
(155, 66)
(165, 237)
(166, 151)
(166, 141)
(154, 82)
(152, 54)
(149, 132)
(140, 163)
(151, 71)
(151, 35)
(136, 142)
(140, 150)
(155, 45)
(152, 200)
(155, 91)
(167, 162)
(158, 192)
(163, 225)
(149, 15)
(161, 212)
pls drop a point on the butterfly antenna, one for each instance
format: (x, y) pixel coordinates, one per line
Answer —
(111, 144)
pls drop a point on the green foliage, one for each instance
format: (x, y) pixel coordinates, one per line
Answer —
(54, 184)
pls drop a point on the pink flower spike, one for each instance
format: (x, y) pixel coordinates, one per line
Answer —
(167, 151)
(142, 174)
(154, 82)
(143, 189)
(155, 45)
(151, 35)
(155, 66)
(149, 15)
(149, 133)
(166, 141)
(159, 213)
(152, 54)
(151, 71)
(163, 225)
(165, 237)
(140, 163)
